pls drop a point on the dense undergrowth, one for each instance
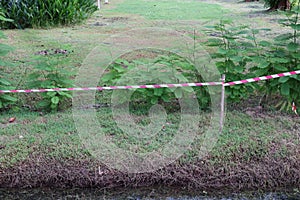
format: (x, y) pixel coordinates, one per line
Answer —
(45, 13)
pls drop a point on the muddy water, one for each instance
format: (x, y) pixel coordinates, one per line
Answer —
(146, 193)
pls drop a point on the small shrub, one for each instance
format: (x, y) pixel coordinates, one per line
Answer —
(231, 57)
(48, 72)
(240, 55)
(44, 13)
(5, 99)
(164, 69)
(282, 55)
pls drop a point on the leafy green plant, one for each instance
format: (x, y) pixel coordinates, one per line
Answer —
(233, 43)
(49, 72)
(44, 13)
(5, 99)
(282, 55)
(164, 69)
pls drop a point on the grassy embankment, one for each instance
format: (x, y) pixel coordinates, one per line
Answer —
(254, 151)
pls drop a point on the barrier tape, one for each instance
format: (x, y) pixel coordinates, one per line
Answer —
(262, 78)
(113, 87)
(155, 86)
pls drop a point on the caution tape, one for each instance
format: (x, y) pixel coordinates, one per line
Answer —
(262, 78)
(154, 86)
(114, 87)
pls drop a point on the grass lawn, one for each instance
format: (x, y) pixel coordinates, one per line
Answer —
(172, 10)
(246, 137)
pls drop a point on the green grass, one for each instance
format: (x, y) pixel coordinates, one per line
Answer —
(171, 9)
(55, 134)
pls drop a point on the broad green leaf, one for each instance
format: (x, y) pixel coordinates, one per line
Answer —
(8, 98)
(284, 37)
(178, 93)
(263, 64)
(53, 106)
(180, 77)
(295, 27)
(165, 98)
(292, 47)
(5, 19)
(165, 78)
(222, 51)
(51, 94)
(154, 100)
(237, 58)
(279, 60)
(261, 72)
(158, 91)
(296, 55)
(239, 68)
(171, 89)
(108, 77)
(281, 68)
(55, 100)
(264, 43)
(285, 89)
(186, 65)
(283, 79)
(119, 68)
(188, 89)
(66, 94)
(274, 82)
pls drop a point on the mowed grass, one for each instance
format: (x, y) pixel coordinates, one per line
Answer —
(172, 9)
(55, 134)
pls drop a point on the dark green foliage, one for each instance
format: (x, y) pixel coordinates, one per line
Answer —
(282, 55)
(44, 13)
(231, 56)
(164, 69)
(49, 72)
(240, 55)
(5, 99)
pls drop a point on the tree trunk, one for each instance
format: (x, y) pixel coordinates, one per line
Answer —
(281, 5)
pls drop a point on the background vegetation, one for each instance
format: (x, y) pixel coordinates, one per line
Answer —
(45, 13)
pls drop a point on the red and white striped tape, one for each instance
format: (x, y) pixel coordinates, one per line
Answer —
(113, 87)
(262, 78)
(155, 86)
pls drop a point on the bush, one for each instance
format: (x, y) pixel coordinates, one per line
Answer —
(5, 99)
(49, 71)
(44, 13)
(240, 55)
(231, 57)
(282, 55)
(163, 69)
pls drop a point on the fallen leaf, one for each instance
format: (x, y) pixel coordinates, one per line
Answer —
(12, 119)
